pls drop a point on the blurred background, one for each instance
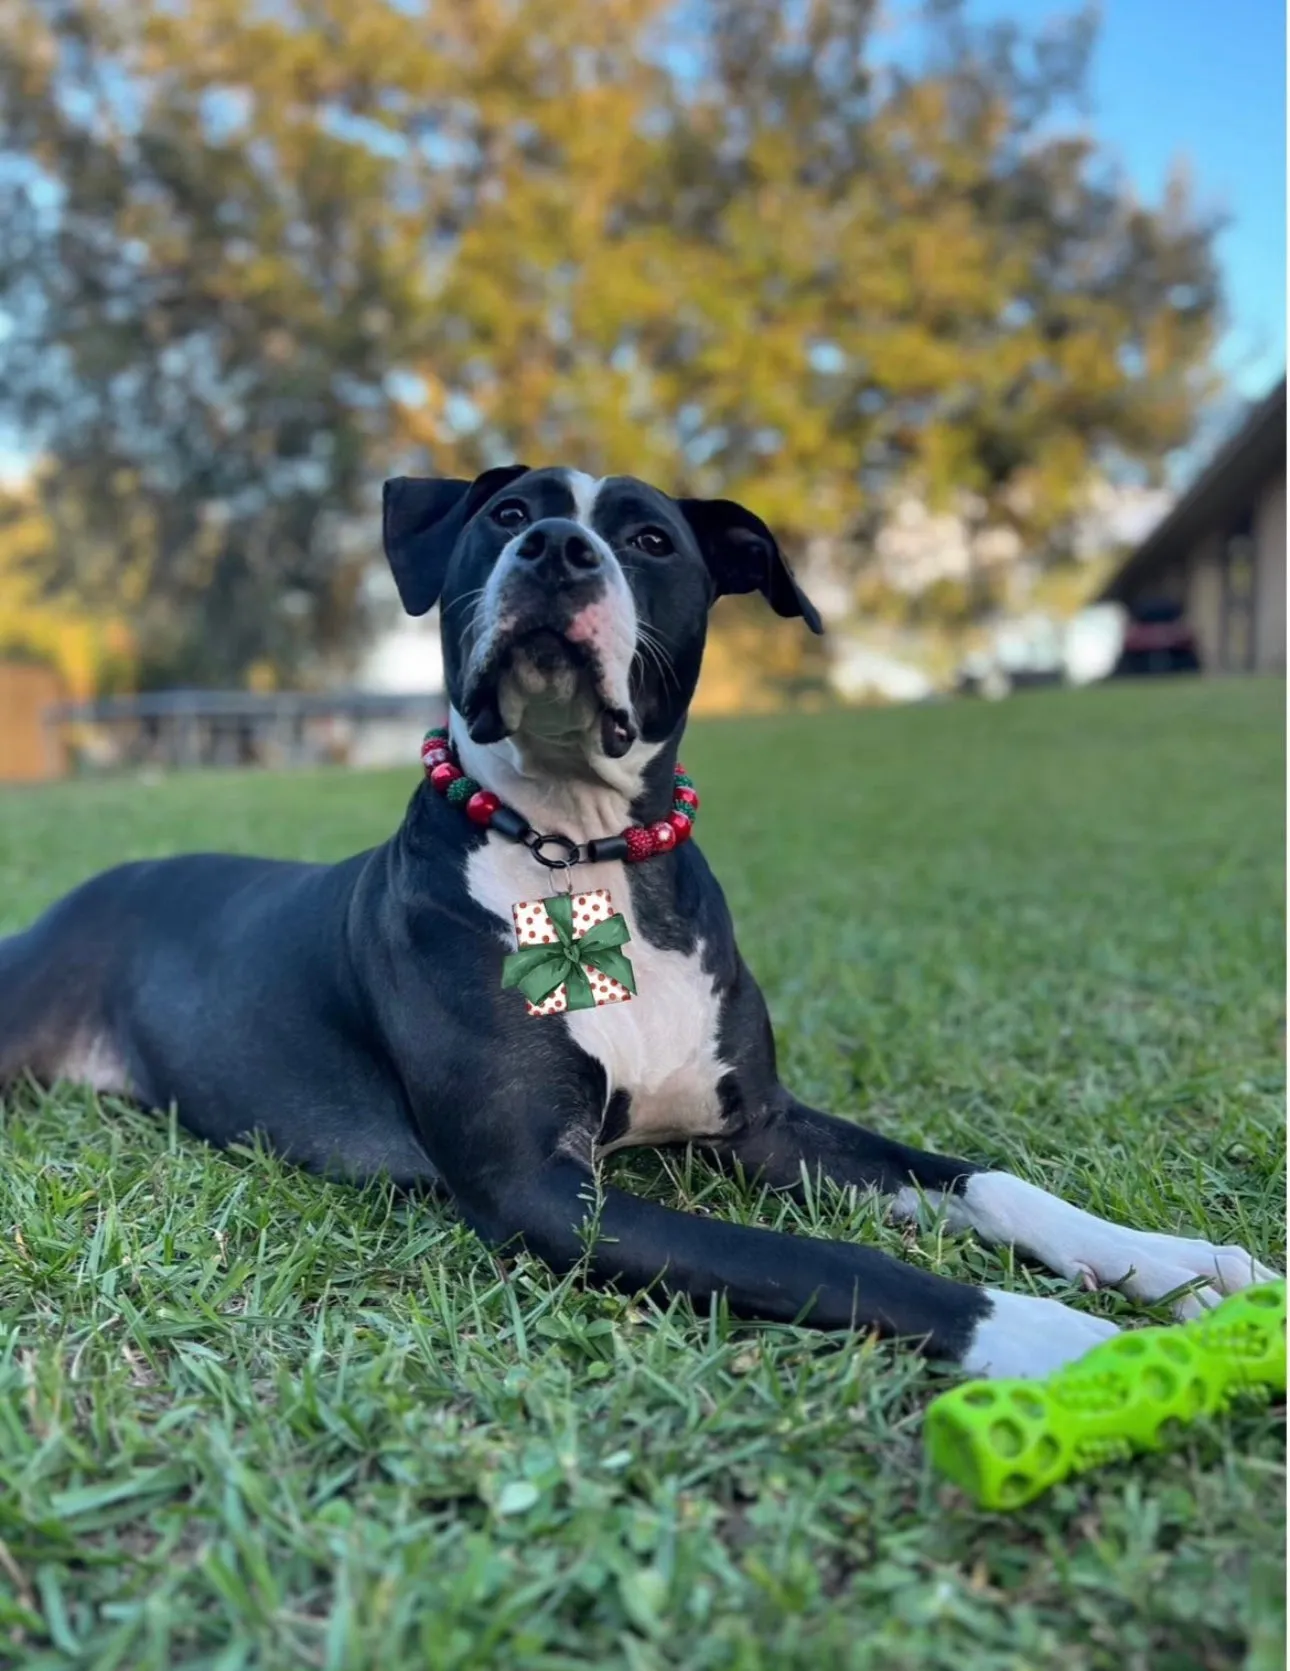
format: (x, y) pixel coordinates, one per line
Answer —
(980, 305)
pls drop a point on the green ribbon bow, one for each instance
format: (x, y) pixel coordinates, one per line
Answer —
(539, 970)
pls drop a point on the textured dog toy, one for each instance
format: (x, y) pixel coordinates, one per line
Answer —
(1007, 1442)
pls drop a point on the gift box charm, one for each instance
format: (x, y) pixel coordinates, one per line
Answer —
(569, 953)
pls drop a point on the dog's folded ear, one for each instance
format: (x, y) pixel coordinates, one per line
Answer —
(421, 522)
(744, 556)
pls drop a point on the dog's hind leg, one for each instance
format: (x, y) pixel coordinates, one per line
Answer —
(53, 1019)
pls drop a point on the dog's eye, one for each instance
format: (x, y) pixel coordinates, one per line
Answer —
(511, 514)
(653, 541)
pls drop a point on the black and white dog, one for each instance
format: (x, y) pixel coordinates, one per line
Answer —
(354, 1014)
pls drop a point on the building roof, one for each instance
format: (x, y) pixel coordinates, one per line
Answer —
(1223, 488)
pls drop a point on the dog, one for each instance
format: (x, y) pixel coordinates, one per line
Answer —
(355, 1015)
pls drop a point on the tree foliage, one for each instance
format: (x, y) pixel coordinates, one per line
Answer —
(260, 255)
(89, 649)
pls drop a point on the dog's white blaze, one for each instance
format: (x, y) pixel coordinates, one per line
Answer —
(661, 1046)
(584, 489)
(1145, 1264)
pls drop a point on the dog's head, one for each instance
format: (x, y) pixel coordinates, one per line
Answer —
(574, 611)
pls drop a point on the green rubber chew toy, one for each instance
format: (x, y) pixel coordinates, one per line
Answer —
(1007, 1442)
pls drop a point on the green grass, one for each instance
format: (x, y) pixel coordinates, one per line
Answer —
(251, 1419)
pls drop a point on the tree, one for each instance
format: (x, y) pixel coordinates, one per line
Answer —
(260, 257)
(829, 278)
(89, 649)
(207, 274)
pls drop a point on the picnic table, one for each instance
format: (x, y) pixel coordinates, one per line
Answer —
(188, 729)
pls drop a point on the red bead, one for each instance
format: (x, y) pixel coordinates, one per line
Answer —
(481, 806)
(443, 775)
(640, 844)
(683, 826)
(687, 797)
(679, 770)
(432, 756)
(664, 836)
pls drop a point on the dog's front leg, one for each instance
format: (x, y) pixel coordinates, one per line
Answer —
(558, 1213)
(1147, 1265)
(1001, 1208)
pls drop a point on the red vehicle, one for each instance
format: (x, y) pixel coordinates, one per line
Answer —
(1157, 640)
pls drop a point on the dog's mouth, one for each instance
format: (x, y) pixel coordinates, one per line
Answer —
(537, 681)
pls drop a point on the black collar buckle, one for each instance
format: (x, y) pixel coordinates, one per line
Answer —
(535, 843)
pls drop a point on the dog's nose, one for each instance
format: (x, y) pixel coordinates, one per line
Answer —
(560, 549)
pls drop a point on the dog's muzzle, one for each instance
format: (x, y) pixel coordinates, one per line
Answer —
(554, 648)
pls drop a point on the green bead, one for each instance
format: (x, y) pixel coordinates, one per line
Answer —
(683, 780)
(684, 807)
(439, 733)
(461, 789)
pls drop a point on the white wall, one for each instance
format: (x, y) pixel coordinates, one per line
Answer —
(406, 657)
(1270, 578)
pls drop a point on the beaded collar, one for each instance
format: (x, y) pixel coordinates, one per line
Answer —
(482, 807)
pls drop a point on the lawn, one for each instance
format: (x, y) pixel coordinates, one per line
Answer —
(249, 1419)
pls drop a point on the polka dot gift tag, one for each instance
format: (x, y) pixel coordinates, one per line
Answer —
(569, 953)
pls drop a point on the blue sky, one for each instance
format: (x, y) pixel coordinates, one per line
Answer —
(1203, 80)
(1206, 78)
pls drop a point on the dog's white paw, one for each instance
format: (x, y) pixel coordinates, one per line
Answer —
(1147, 1266)
(1143, 1264)
(1028, 1336)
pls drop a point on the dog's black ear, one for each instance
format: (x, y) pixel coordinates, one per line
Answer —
(421, 521)
(744, 556)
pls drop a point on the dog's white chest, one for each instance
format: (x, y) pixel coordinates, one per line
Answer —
(661, 1048)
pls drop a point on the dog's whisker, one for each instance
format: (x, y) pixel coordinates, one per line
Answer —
(649, 644)
(466, 597)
